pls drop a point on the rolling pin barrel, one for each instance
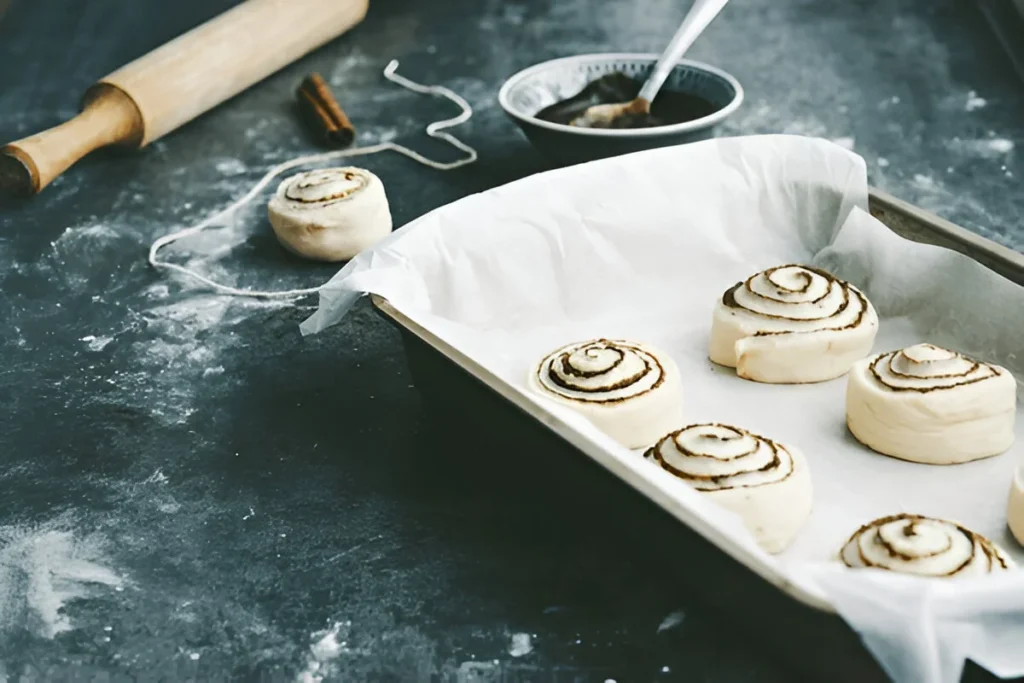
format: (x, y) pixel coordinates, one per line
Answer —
(180, 80)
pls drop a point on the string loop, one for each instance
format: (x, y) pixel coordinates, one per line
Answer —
(434, 130)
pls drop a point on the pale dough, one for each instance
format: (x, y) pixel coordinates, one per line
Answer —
(630, 391)
(923, 546)
(792, 325)
(330, 214)
(766, 483)
(931, 405)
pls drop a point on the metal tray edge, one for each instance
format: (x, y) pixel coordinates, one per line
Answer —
(655, 494)
(917, 224)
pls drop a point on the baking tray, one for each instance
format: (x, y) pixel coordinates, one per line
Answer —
(782, 618)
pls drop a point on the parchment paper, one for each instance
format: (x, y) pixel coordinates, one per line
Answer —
(641, 247)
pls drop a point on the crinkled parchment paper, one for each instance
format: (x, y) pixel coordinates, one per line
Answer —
(641, 247)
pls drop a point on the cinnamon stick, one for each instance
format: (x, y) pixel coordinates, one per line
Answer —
(323, 113)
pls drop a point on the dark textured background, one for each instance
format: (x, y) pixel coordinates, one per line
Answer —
(190, 489)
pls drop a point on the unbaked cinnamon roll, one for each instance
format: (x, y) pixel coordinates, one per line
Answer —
(792, 325)
(630, 391)
(764, 482)
(931, 405)
(923, 546)
(330, 214)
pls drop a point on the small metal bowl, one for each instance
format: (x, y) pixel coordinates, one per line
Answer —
(532, 89)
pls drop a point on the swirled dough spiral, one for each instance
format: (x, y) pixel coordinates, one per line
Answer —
(766, 483)
(924, 546)
(792, 325)
(931, 405)
(330, 214)
(630, 391)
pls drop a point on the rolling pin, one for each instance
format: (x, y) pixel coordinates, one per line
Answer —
(178, 81)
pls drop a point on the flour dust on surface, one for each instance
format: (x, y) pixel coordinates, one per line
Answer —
(43, 569)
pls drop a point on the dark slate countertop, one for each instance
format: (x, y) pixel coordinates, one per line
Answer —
(192, 490)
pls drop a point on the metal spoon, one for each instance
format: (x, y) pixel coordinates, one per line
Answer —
(697, 19)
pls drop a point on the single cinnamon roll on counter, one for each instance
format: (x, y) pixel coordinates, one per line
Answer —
(764, 482)
(931, 405)
(923, 546)
(330, 214)
(630, 391)
(792, 325)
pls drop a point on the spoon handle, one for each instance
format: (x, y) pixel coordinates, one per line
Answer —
(697, 19)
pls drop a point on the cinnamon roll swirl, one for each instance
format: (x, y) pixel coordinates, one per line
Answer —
(630, 391)
(931, 405)
(923, 546)
(764, 482)
(330, 214)
(792, 325)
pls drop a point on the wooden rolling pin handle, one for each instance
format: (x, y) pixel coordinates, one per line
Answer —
(108, 117)
(178, 81)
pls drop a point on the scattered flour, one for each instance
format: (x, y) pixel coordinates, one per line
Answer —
(375, 136)
(671, 621)
(974, 102)
(231, 167)
(522, 645)
(96, 343)
(43, 569)
(350, 66)
(1001, 145)
(987, 148)
(764, 118)
(883, 162)
(925, 182)
(158, 477)
(327, 646)
(180, 343)
(933, 195)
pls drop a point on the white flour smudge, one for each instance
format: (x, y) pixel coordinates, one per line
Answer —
(95, 343)
(987, 148)
(348, 67)
(42, 570)
(671, 621)
(182, 343)
(375, 136)
(80, 256)
(522, 645)
(231, 167)
(925, 182)
(1001, 145)
(763, 118)
(327, 646)
(974, 102)
(158, 477)
(930, 194)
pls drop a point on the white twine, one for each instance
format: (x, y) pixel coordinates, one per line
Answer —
(434, 130)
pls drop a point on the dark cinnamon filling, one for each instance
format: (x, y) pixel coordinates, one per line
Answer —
(889, 358)
(977, 542)
(729, 300)
(563, 360)
(778, 452)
